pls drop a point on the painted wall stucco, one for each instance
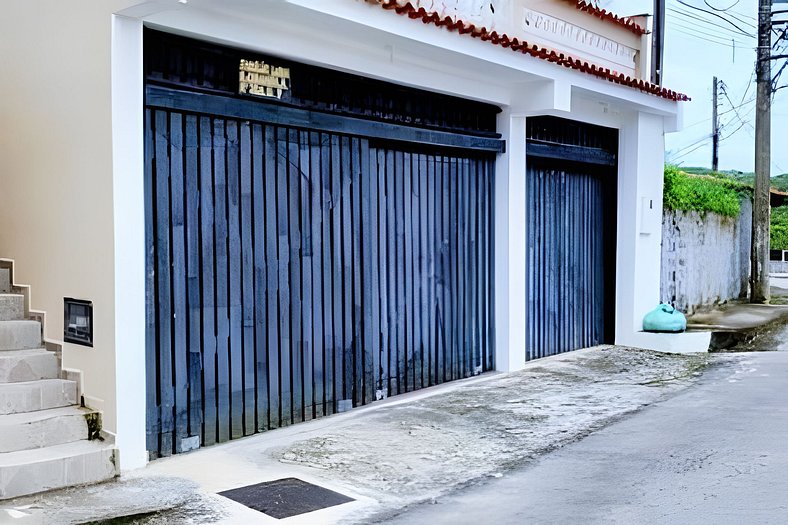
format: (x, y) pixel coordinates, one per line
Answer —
(70, 104)
(56, 207)
(705, 258)
(778, 267)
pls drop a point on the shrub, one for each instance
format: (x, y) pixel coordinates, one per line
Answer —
(702, 193)
(779, 228)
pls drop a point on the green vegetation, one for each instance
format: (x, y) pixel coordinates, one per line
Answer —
(703, 190)
(703, 193)
(779, 228)
(779, 182)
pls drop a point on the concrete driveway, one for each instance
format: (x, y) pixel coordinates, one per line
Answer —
(714, 454)
(390, 455)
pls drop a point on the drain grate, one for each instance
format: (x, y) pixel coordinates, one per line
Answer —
(287, 497)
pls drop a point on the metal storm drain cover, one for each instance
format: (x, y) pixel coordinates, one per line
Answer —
(287, 497)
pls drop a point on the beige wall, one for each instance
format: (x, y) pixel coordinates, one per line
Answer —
(56, 212)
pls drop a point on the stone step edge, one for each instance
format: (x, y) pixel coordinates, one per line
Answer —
(24, 418)
(28, 472)
(50, 393)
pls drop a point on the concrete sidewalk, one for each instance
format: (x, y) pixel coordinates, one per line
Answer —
(734, 317)
(406, 450)
(779, 288)
(741, 327)
(715, 454)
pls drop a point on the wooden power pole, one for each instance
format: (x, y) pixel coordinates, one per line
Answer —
(715, 130)
(763, 135)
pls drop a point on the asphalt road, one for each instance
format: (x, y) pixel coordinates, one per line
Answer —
(715, 454)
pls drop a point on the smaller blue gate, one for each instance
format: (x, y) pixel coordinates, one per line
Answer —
(571, 235)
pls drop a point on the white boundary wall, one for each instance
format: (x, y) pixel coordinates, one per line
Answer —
(705, 258)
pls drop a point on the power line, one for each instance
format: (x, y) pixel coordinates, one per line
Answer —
(694, 18)
(694, 31)
(696, 36)
(724, 90)
(742, 31)
(675, 158)
(700, 141)
(734, 108)
(747, 89)
(728, 11)
(732, 133)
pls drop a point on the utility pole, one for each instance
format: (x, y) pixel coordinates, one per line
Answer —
(657, 42)
(760, 216)
(715, 130)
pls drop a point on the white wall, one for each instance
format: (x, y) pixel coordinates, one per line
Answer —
(641, 164)
(56, 205)
(129, 215)
(510, 250)
(71, 155)
(705, 257)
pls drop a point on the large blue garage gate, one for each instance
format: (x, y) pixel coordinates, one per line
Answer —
(306, 254)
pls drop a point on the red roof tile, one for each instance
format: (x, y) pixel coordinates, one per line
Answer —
(521, 46)
(626, 22)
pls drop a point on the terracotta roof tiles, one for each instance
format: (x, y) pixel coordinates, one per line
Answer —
(526, 48)
(626, 22)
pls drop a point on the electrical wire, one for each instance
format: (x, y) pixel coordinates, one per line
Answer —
(734, 108)
(677, 157)
(724, 90)
(700, 141)
(742, 31)
(728, 11)
(732, 133)
(695, 18)
(747, 89)
(711, 37)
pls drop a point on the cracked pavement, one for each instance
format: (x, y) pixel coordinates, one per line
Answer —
(713, 454)
(397, 453)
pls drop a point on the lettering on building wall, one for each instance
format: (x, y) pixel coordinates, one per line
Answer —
(264, 80)
(516, 19)
(563, 32)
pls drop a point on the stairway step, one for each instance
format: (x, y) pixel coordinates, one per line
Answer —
(46, 428)
(32, 396)
(78, 463)
(12, 307)
(28, 365)
(19, 335)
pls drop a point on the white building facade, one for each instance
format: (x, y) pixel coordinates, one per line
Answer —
(79, 99)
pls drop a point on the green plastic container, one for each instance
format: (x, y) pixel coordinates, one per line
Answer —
(665, 318)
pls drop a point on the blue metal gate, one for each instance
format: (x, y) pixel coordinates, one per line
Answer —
(300, 263)
(571, 236)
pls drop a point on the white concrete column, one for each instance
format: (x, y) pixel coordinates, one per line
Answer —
(510, 246)
(640, 182)
(128, 170)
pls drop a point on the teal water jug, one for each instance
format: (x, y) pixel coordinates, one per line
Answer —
(664, 318)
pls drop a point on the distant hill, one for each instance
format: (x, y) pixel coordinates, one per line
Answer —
(779, 182)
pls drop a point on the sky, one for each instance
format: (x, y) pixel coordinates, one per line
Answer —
(699, 46)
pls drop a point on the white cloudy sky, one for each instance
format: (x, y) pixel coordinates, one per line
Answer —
(694, 54)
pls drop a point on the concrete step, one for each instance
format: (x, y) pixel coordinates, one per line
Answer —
(19, 335)
(32, 396)
(12, 307)
(5, 280)
(28, 365)
(78, 463)
(46, 428)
